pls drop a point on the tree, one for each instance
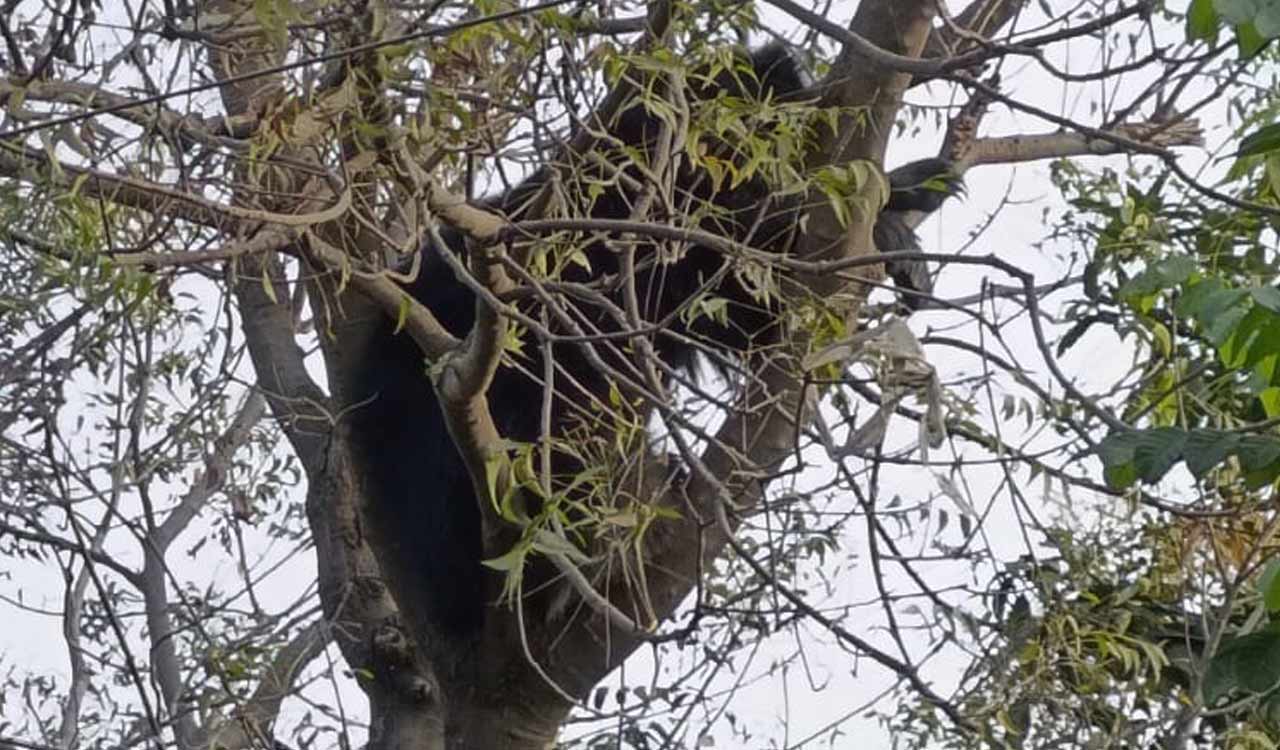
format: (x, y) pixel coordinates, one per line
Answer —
(205, 205)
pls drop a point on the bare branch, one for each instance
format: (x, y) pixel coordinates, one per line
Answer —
(216, 468)
(1019, 148)
(26, 164)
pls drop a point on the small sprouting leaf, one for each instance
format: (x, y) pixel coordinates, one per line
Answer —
(268, 288)
(512, 560)
(1269, 585)
(402, 312)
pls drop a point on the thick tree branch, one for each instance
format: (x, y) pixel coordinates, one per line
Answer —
(1019, 148)
(403, 712)
(299, 406)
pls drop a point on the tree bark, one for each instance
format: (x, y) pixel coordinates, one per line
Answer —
(502, 701)
(404, 704)
(513, 686)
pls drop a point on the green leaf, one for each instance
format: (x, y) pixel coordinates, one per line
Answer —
(1262, 17)
(1202, 298)
(1236, 12)
(1262, 477)
(1264, 140)
(1163, 274)
(1116, 452)
(1272, 170)
(1249, 41)
(1270, 400)
(1257, 452)
(1157, 451)
(1267, 20)
(1117, 448)
(402, 312)
(1264, 373)
(1269, 585)
(1220, 312)
(1162, 337)
(1120, 477)
(268, 288)
(1206, 449)
(1202, 21)
(1258, 662)
(1255, 338)
(1267, 296)
(1249, 663)
(511, 561)
(1220, 678)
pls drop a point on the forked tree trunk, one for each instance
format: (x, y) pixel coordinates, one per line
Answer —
(486, 696)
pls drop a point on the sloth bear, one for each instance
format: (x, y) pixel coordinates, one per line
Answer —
(421, 493)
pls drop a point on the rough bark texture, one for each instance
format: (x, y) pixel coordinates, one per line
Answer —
(403, 703)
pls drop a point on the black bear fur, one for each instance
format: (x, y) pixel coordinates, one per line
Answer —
(421, 492)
